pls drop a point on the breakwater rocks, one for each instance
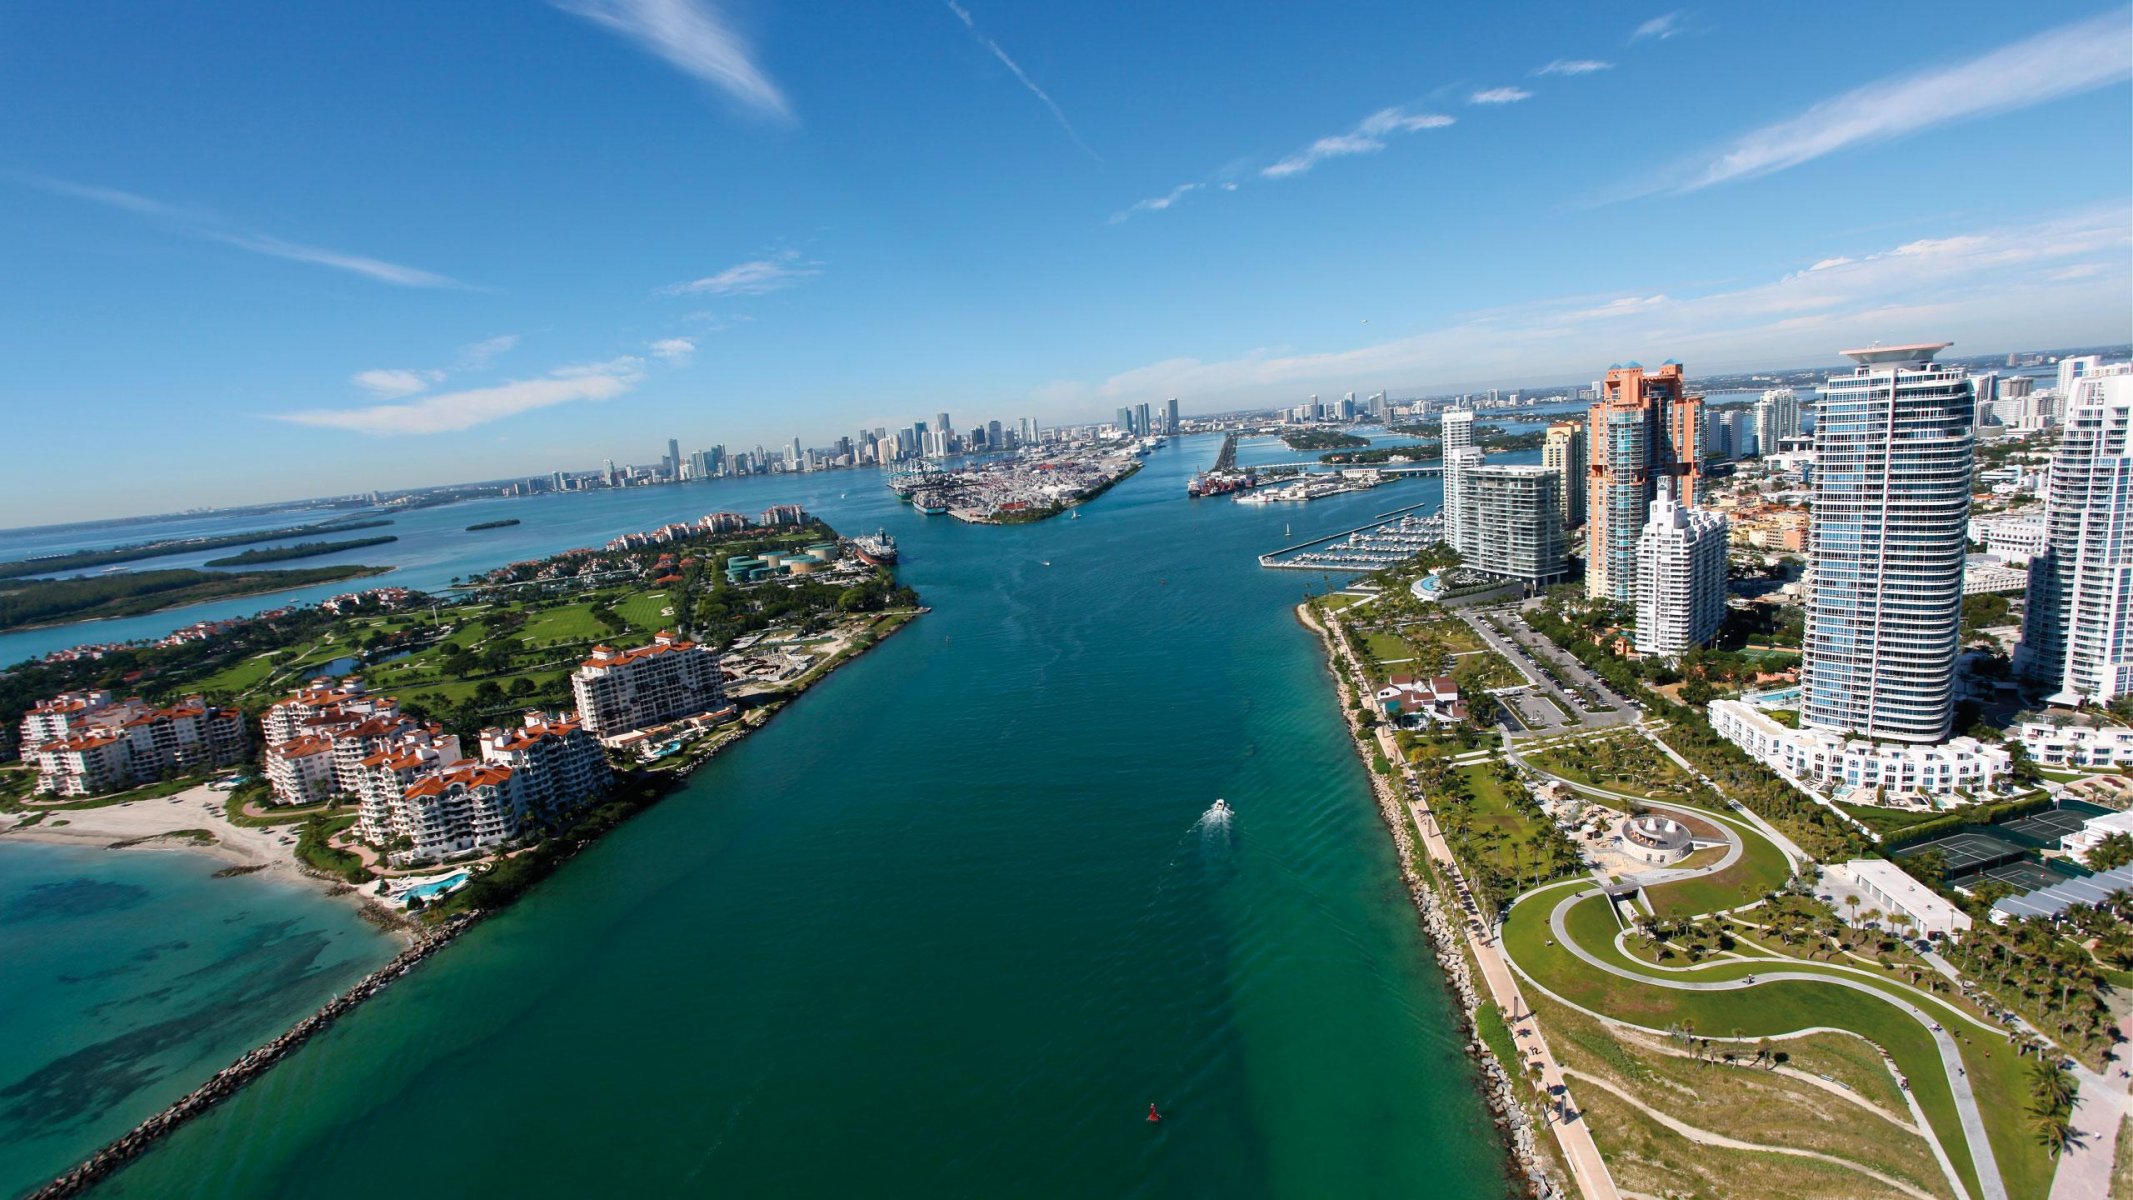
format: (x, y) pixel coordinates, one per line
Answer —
(226, 1082)
(1529, 1170)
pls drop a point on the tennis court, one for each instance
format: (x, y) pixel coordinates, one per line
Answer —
(2022, 875)
(1966, 852)
(2047, 827)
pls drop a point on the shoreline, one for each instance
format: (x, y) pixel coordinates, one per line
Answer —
(1513, 1127)
(424, 939)
(366, 573)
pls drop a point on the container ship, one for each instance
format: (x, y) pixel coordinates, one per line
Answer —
(1219, 485)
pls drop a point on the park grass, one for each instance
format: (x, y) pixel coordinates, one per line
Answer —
(647, 611)
(1496, 1035)
(1386, 648)
(1762, 869)
(568, 623)
(1888, 820)
(1492, 809)
(1618, 763)
(1997, 1073)
(2122, 1166)
(1747, 1102)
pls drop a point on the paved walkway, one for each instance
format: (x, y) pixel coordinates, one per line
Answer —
(1966, 1107)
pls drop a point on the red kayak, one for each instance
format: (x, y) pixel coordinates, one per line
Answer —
(1153, 1116)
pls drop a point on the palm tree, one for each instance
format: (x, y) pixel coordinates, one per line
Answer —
(2053, 1131)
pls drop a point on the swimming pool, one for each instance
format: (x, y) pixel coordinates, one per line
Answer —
(1781, 698)
(434, 888)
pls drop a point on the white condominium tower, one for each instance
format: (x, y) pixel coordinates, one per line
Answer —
(1891, 514)
(1681, 578)
(1564, 453)
(1457, 434)
(2075, 634)
(1514, 521)
(1777, 417)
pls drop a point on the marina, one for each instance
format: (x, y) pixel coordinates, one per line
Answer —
(1364, 548)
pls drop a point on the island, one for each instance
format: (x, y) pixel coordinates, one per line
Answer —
(1322, 439)
(269, 554)
(706, 630)
(25, 603)
(165, 547)
(503, 524)
(1025, 488)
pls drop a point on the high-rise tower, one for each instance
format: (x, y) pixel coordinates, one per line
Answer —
(2077, 632)
(1891, 513)
(1681, 578)
(1564, 453)
(1644, 428)
(1456, 433)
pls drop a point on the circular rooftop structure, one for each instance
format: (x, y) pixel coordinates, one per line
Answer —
(1657, 839)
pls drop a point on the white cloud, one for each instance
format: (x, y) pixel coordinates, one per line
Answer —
(673, 349)
(450, 412)
(1015, 68)
(1574, 66)
(1501, 95)
(754, 278)
(1661, 27)
(1366, 138)
(2062, 62)
(476, 355)
(203, 224)
(693, 38)
(393, 384)
(1159, 203)
(2063, 279)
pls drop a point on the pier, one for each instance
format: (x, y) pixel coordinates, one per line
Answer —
(1227, 459)
(1364, 548)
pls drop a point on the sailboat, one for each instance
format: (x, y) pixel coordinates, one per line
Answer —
(1075, 515)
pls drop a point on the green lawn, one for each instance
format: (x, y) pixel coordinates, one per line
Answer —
(569, 623)
(1386, 648)
(1889, 820)
(1761, 870)
(1995, 1070)
(647, 611)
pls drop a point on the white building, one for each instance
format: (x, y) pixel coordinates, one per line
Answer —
(1681, 578)
(1880, 884)
(1513, 521)
(1891, 514)
(1777, 417)
(559, 765)
(2077, 631)
(2076, 747)
(87, 743)
(1459, 456)
(2017, 537)
(1822, 759)
(465, 807)
(2092, 833)
(619, 691)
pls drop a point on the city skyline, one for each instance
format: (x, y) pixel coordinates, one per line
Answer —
(324, 308)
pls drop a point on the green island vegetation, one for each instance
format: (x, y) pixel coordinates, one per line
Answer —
(1322, 439)
(498, 645)
(1649, 1059)
(27, 602)
(269, 554)
(168, 546)
(503, 524)
(1487, 437)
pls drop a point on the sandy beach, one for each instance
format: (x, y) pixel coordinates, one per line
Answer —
(157, 825)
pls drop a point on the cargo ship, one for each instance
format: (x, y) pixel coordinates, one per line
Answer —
(878, 549)
(1219, 484)
(933, 504)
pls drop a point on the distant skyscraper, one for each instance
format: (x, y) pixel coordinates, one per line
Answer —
(1564, 453)
(1777, 417)
(1891, 513)
(1741, 437)
(1456, 432)
(2077, 631)
(1681, 578)
(1141, 426)
(1125, 420)
(1514, 521)
(942, 427)
(673, 458)
(1644, 428)
(1170, 417)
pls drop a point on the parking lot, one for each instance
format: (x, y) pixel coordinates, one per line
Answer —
(1589, 703)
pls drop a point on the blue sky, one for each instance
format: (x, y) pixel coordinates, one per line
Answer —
(255, 251)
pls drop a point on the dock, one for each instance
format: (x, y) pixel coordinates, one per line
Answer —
(1364, 548)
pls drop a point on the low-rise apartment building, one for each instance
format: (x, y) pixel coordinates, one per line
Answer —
(88, 743)
(1822, 758)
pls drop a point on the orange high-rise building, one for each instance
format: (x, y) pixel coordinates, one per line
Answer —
(1645, 428)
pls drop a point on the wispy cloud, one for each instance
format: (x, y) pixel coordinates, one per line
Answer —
(393, 384)
(1366, 138)
(2066, 277)
(754, 278)
(1159, 203)
(476, 355)
(449, 412)
(692, 37)
(1661, 27)
(1501, 95)
(673, 349)
(1058, 114)
(2062, 62)
(200, 223)
(1573, 66)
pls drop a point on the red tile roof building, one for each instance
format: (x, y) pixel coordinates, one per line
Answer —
(622, 690)
(87, 743)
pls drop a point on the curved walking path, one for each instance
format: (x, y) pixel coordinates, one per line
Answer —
(1966, 1107)
(1704, 1137)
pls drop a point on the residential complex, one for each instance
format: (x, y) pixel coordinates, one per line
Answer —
(1891, 507)
(1645, 428)
(1821, 759)
(1459, 457)
(2077, 633)
(621, 691)
(1511, 518)
(319, 740)
(420, 804)
(87, 743)
(1776, 419)
(1564, 453)
(1681, 578)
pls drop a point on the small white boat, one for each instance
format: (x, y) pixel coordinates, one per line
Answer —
(1221, 809)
